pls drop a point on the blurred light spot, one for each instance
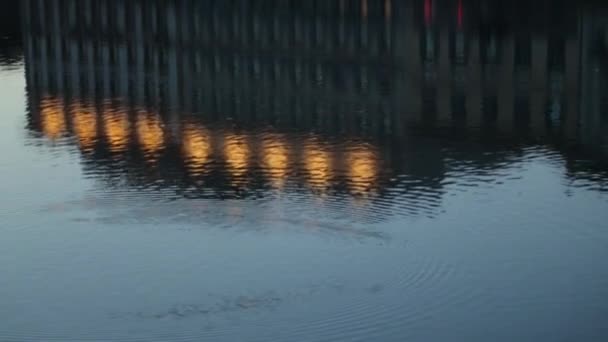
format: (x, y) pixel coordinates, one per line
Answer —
(52, 118)
(317, 162)
(236, 152)
(84, 124)
(276, 159)
(117, 128)
(150, 134)
(362, 169)
(196, 147)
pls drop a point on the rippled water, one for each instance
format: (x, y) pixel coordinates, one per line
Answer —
(318, 171)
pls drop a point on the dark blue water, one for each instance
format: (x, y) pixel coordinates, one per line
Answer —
(304, 171)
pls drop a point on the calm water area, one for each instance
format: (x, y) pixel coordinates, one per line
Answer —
(324, 170)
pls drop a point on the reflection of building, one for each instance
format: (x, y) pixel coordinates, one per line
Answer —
(159, 84)
(425, 60)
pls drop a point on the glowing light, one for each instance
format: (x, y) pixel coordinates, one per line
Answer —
(362, 169)
(196, 147)
(317, 162)
(52, 118)
(276, 160)
(117, 128)
(236, 152)
(84, 123)
(150, 134)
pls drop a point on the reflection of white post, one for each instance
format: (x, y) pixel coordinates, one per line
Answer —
(57, 39)
(172, 67)
(571, 89)
(103, 15)
(187, 65)
(121, 23)
(444, 78)
(75, 63)
(123, 63)
(42, 14)
(44, 68)
(538, 89)
(413, 65)
(72, 55)
(122, 50)
(505, 88)
(105, 58)
(89, 66)
(139, 54)
(90, 69)
(88, 12)
(473, 100)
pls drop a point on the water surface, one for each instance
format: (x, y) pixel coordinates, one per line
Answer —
(304, 171)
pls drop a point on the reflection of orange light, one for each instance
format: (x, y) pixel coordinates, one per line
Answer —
(150, 134)
(362, 169)
(318, 165)
(84, 123)
(237, 155)
(117, 127)
(275, 160)
(196, 147)
(52, 118)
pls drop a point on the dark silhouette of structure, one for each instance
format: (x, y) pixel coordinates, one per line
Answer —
(166, 82)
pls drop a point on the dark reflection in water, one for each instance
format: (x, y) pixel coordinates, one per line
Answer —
(376, 120)
(11, 51)
(349, 99)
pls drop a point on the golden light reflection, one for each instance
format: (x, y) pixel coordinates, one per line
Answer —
(117, 128)
(52, 118)
(362, 169)
(317, 162)
(275, 159)
(150, 133)
(84, 123)
(236, 152)
(196, 146)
